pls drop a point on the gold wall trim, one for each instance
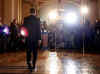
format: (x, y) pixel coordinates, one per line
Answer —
(19, 11)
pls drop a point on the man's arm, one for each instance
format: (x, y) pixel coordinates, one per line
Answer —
(39, 33)
(39, 30)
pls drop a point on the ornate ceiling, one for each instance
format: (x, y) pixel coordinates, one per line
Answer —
(39, 2)
(46, 2)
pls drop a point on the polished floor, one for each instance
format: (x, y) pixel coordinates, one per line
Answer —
(61, 62)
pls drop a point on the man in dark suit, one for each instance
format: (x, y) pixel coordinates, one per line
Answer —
(33, 40)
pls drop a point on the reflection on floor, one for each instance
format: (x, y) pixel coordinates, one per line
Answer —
(61, 62)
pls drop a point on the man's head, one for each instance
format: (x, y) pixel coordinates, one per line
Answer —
(32, 11)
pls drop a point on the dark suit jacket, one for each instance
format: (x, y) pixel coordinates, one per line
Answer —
(32, 24)
(13, 30)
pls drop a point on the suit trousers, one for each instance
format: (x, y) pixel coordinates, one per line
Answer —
(32, 50)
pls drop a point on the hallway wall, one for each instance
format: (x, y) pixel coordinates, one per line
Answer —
(1, 9)
(10, 9)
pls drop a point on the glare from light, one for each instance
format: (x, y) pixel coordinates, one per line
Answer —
(22, 33)
(53, 15)
(71, 18)
(52, 63)
(84, 10)
(52, 54)
(71, 67)
(6, 30)
(45, 30)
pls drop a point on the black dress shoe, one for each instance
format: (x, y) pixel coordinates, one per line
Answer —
(30, 68)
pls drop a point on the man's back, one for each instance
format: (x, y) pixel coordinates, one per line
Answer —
(33, 26)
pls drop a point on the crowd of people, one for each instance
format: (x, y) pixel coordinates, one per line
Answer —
(13, 39)
(9, 36)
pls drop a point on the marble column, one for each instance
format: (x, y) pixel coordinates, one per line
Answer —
(12, 10)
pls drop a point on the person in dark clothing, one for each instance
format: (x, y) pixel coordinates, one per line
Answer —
(33, 40)
(14, 28)
(14, 34)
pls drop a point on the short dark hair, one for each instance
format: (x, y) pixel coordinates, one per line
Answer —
(32, 10)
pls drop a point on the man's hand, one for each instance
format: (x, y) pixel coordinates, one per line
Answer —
(39, 43)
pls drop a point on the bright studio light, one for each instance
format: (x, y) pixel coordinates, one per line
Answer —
(6, 30)
(71, 18)
(53, 15)
(84, 10)
(24, 32)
